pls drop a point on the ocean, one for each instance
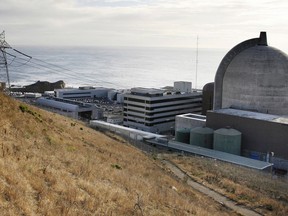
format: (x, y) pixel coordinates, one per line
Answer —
(115, 67)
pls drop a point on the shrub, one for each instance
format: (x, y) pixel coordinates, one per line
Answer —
(116, 166)
(23, 108)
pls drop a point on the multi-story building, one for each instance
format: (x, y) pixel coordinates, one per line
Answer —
(82, 92)
(154, 110)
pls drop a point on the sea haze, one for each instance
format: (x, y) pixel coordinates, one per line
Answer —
(113, 67)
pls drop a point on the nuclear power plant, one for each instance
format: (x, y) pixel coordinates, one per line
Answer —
(249, 115)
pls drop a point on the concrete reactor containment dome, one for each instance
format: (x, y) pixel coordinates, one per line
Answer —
(253, 76)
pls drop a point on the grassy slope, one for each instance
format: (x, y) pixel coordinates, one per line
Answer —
(51, 165)
(254, 189)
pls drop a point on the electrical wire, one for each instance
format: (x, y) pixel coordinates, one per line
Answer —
(40, 64)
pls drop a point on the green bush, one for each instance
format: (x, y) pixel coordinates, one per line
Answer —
(23, 108)
(116, 166)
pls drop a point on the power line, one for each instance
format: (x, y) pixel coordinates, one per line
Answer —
(40, 64)
(37, 63)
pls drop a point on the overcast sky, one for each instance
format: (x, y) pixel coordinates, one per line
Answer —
(166, 23)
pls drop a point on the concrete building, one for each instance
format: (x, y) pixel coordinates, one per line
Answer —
(253, 76)
(73, 109)
(182, 86)
(154, 110)
(82, 92)
(32, 95)
(208, 94)
(251, 95)
(262, 134)
(117, 95)
(115, 119)
(127, 132)
(189, 121)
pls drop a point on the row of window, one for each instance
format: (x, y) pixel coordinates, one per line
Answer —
(195, 104)
(77, 93)
(161, 100)
(126, 111)
(151, 119)
(148, 124)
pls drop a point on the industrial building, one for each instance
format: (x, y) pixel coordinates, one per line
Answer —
(117, 95)
(183, 86)
(250, 104)
(189, 120)
(128, 132)
(82, 92)
(70, 108)
(251, 95)
(154, 110)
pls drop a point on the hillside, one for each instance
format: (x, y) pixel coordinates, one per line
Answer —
(52, 165)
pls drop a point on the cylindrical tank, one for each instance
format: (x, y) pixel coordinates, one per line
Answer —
(227, 140)
(183, 135)
(202, 136)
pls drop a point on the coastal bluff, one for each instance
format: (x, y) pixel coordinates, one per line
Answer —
(40, 87)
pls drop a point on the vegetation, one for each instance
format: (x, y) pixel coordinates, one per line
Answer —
(25, 108)
(257, 190)
(53, 167)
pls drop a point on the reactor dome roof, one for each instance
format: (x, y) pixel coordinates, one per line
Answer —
(253, 76)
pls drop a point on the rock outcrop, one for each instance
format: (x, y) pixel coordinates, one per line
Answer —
(40, 87)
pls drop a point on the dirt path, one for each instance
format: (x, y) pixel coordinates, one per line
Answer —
(214, 195)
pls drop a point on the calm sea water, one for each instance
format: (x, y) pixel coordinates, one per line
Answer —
(113, 67)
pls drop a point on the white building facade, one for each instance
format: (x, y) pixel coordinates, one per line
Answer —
(82, 92)
(154, 111)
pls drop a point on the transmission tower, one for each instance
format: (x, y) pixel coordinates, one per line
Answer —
(3, 59)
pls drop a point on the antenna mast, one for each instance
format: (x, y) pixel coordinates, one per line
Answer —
(4, 45)
(196, 63)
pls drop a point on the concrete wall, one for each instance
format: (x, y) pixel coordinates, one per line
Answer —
(184, 121)
(159, 128)
(207, 98)
(128, 132)
(257, 80)
(183, 86)
(257, 135)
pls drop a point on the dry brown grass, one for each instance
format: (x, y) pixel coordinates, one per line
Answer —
(51, 165)
(254, 189)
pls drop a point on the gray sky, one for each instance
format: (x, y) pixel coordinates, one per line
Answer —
(218, 23)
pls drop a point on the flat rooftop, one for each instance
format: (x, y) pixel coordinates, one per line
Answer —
(253, 115)
(89, 88)
(147, 91)
(222, 156)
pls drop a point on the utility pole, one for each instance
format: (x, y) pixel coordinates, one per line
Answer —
(3, 58)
